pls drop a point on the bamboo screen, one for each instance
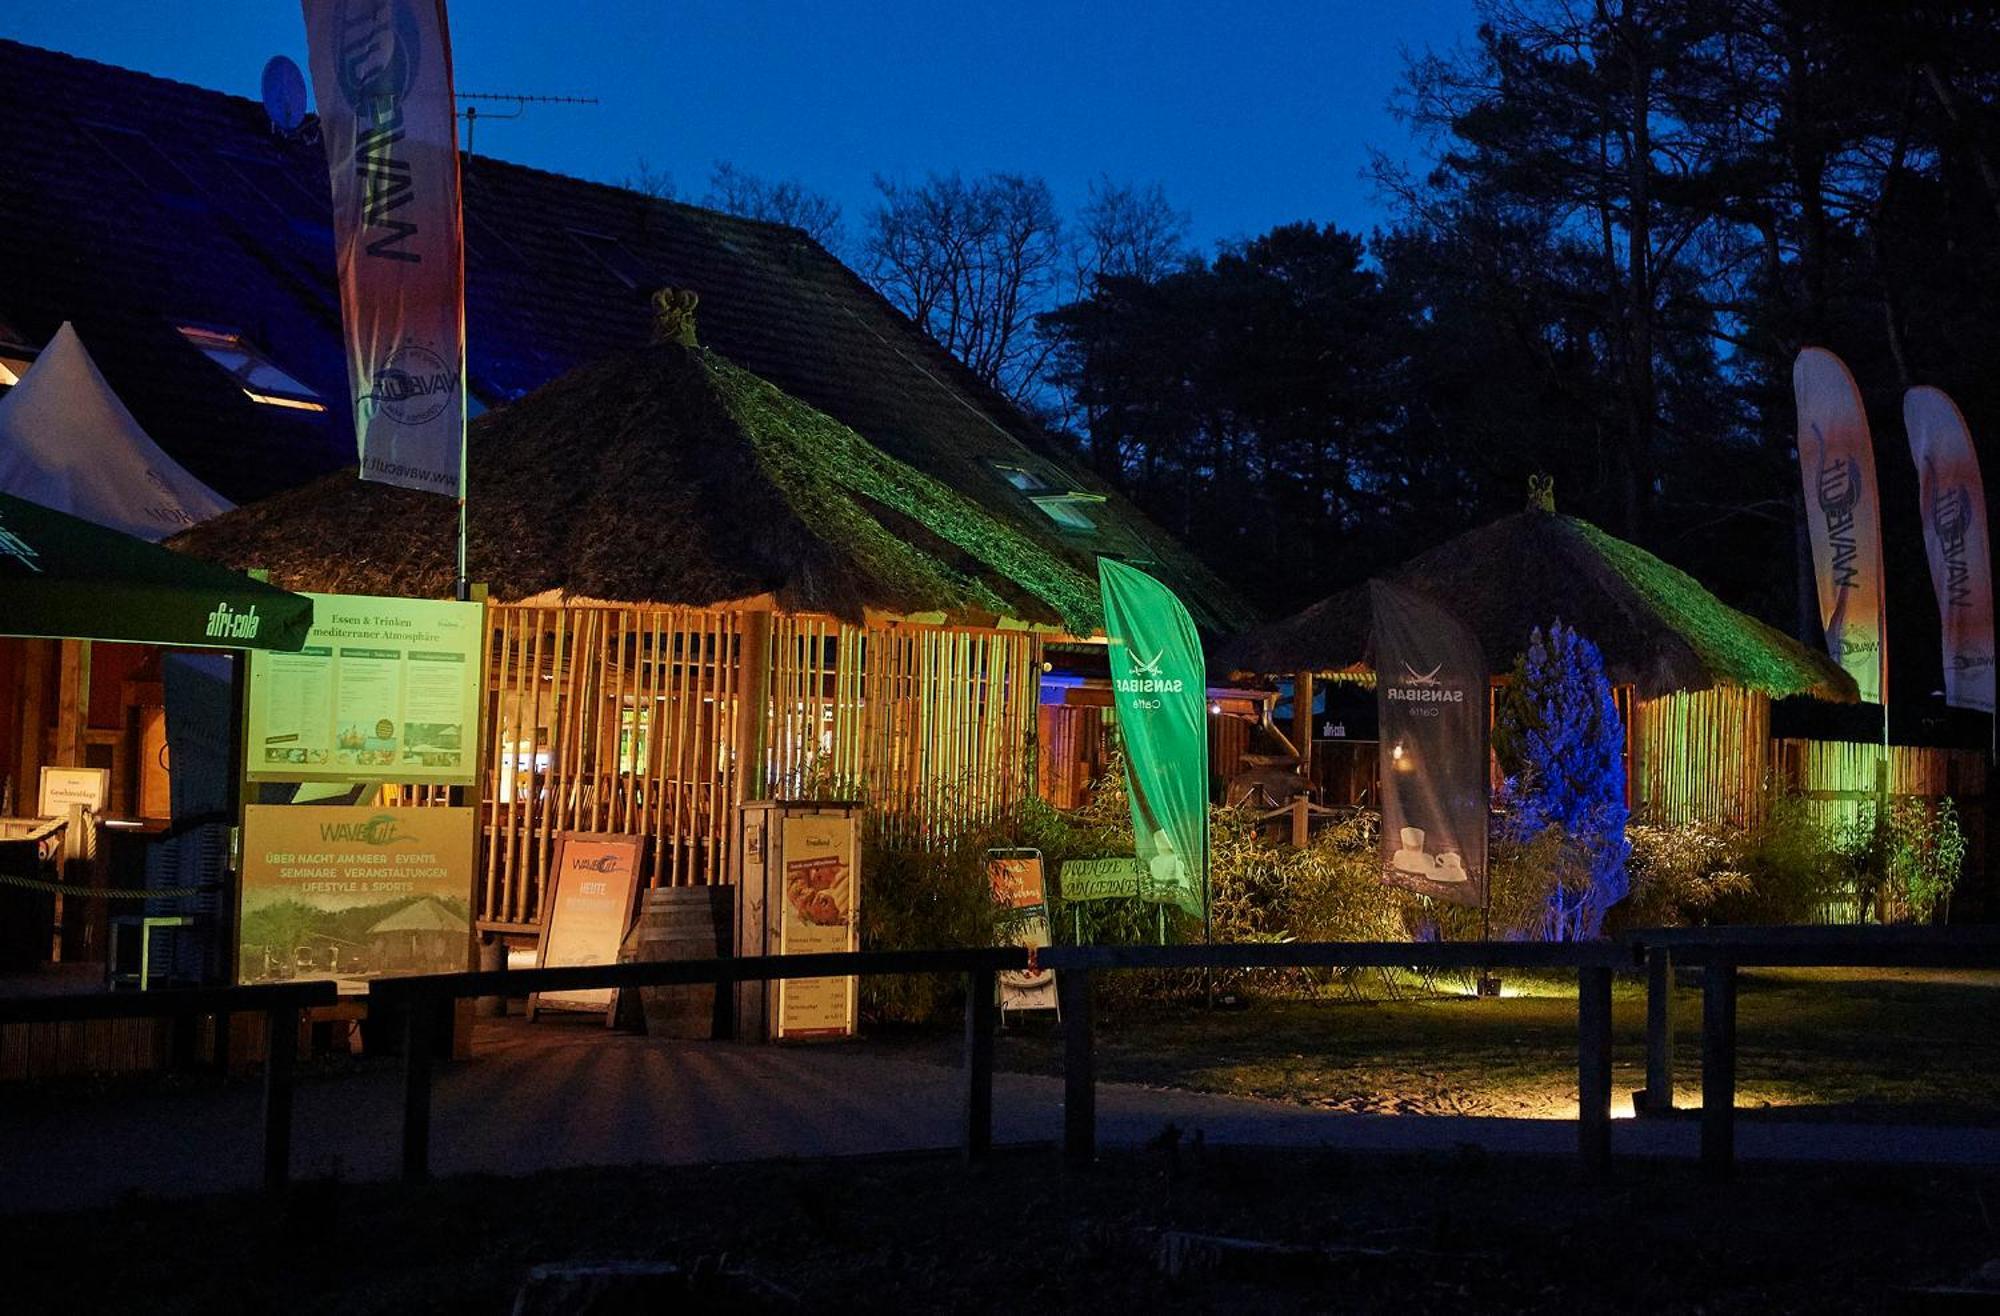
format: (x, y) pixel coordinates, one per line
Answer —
(1837, 777)
(607, 719)
(1701, 755)
(929, 726)
(620, 719)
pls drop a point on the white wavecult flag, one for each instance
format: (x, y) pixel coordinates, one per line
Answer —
(1954, 510)
(381, 73)
(1843, 513)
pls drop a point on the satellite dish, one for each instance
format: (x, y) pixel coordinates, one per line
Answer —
(284, 94)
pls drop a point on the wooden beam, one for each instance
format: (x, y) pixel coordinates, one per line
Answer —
(32, 699)
(1658, 1098)
(1302, 721)
(753, 701)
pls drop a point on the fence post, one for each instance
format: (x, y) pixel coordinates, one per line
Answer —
(1593, 1066)
(419, 1041)
(281, 1045)
(218, 1054)
(1718, 1067)
(979, 1011)
(1658, 1098)
(1079, 1070)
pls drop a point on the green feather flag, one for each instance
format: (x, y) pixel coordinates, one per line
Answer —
(1160, 688)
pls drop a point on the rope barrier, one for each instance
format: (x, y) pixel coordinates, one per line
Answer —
(101, 892)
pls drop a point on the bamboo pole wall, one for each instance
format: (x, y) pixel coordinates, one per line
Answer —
(1701, 754)
(1837, 777)
(623, 719)
(606, 719)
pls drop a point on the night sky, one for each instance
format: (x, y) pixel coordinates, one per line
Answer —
(1250, 115)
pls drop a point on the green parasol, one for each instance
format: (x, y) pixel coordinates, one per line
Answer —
(65, 578)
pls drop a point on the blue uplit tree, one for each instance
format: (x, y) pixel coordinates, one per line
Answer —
(1564, 748)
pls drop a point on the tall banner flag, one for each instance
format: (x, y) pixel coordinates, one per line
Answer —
(1159, 686)
(1837, 463)
(1430, 698)
(1955, 539)
(381, 73)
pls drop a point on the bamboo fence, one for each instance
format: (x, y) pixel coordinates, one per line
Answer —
(626, 719)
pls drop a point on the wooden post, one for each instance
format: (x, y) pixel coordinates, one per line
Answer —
(753, 704)
(1302, 723)
(419, 1041)
(1658, 1098)
(1301, 820)
(281, 1044)
(1718, 1068)
(72, 719)
(1593, 1066)
(979, 1011)
(219, 1048)
(1881, 852)
(1079, 1070)
(32, 700)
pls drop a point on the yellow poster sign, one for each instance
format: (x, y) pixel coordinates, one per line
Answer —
(384, 690)
(821, 878)
(354, 893)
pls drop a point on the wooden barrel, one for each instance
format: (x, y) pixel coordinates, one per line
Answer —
(681, 923)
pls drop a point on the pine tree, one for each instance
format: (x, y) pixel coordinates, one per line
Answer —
(1563, 745)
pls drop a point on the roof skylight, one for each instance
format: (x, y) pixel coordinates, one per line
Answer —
(260, 380)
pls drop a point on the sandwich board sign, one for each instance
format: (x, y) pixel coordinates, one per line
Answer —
(1024, 911)
(587, 914)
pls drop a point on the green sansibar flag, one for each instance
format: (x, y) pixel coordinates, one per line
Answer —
(1158, 683)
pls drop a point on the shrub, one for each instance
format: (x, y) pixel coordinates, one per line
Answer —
(1562, 746)
(1925, 854)
(1679, 872)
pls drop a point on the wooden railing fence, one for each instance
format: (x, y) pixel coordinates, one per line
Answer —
(283, 1005)
(423, 1004)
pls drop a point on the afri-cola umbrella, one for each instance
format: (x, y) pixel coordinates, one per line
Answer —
(65, 578)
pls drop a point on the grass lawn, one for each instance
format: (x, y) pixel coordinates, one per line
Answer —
(1413, 1234)
(1846, 1044)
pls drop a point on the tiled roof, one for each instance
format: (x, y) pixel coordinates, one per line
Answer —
(212, 218)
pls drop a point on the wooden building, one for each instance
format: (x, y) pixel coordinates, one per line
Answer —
(1696, 681)
(825, 517)
(703, 591)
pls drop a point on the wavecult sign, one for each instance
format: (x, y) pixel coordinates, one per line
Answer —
(1843, 517)
(1430, 691)
(1158, 685)
(382, 829)
(381, 72)
(1953, 500)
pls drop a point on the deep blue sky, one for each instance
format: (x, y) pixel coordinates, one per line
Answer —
(1250, 115)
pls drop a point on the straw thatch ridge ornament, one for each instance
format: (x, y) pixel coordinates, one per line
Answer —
(673, 316)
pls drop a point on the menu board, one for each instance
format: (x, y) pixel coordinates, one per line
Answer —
(354, 892)
(1024, 917)
(821, 878)
(384, 690)
(587, 912)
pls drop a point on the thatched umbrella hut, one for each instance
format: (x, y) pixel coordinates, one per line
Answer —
(702, 591)
(1695, 678)
(425, 936)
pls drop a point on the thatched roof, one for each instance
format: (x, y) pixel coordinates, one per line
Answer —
(666, 475)
(1658, 629)
(428, 914)
(559, 272)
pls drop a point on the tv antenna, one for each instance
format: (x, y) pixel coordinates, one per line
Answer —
(471, 113)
